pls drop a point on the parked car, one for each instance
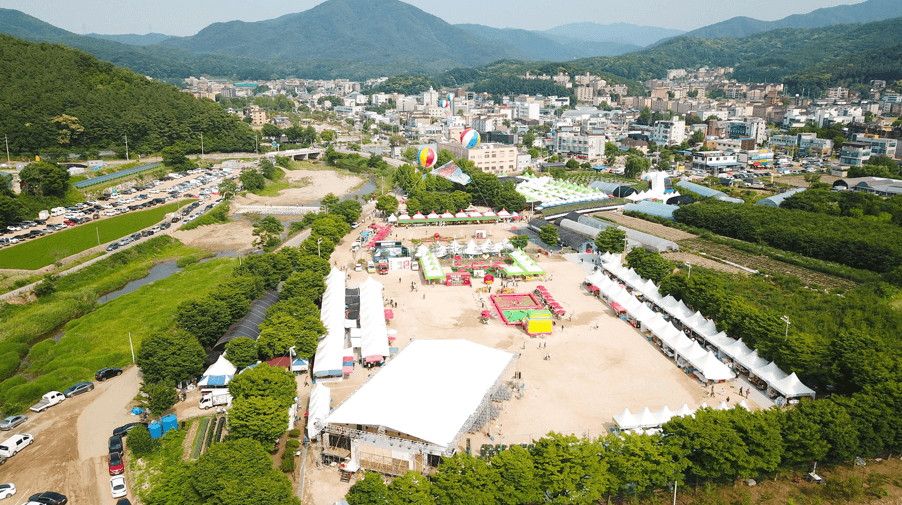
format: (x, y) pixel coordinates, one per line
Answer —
(117, 486)
(12, 421)
(78, 388)
(125, 428)
(165, 226)
(123, 501)
(15, 443)
(115, 461)
(106, 373)
(49, 498)
(48, 400)
(113, 246)
(7, 490)
(115, 445)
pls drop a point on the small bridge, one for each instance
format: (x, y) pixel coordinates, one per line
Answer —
(277, 210)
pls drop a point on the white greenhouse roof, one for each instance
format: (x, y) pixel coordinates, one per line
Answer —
(432, 410)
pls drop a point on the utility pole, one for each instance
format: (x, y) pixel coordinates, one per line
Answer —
(126, 148)
(131, 345)
(201, 145)
(97, 229)
(785, 319)
(5, 139)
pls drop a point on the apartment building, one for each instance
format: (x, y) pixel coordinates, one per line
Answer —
(754, 128)
(714, 162)
(855, 154)
(669, 133)
(879, 146)
(587, 144)
(488, 157)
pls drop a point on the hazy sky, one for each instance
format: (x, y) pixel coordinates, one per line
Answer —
(187, 17)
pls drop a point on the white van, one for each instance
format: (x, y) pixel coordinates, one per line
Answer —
(14, 444)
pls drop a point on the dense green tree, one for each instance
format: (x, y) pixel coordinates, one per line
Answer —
(158, 397)
(610, 240)
(174, 158)
(233, 462)
(267, 488)
(713, 449)
(268, 231)
(311, 263)
(635, 166)
(272, 382)
(268, 169)
(517, 482)
(228, 189)
(548, 234)
(11, 211)
(649, 265)
(332, 227)
(140, 443)
(520, 241)
(281, 331)
(572, 164)
(569, 470)
(410, 489)
(370, 490)
(170, 356)
(387, 204)
(465, 479)
(260, 418)
(272, 131)
(206, 319)
(242, 352)
(298, 307)
(349, 210)
(252, 180)
(314, 246)
(640, 462)
(304, 284)
(44, 179)
(836, 428)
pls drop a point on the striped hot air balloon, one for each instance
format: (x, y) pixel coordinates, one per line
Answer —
(469, 138)
(444, 103)
(450, 97)
(426, 157)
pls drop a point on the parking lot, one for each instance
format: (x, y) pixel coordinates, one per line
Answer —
(200, 184)
(69, 454)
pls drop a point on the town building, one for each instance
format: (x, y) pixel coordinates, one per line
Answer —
(855, 154)
(489, 157)
(715, 162)
(669, 133)
(879, 146)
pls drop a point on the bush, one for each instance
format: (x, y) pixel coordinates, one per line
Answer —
(287, 465)
(292, 445)
(140, 443)
(294, 433)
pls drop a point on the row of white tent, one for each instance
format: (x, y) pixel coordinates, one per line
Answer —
(330, 349)
(373, 332)
(649, 420)
(318, 409)
(471, 248)
(684, 348)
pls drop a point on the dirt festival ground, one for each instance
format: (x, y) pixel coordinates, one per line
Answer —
(592, 375)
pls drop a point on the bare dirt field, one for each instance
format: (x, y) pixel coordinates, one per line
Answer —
(593, 374)
(321, 183)
(696, 260)
(234, 236)
(658, 230)
(799, 180)
(69, 454)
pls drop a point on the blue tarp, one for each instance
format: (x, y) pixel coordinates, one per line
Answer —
(216, 380)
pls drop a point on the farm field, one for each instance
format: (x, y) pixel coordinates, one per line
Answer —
(658, 230)
(765, 264)
(39, 253)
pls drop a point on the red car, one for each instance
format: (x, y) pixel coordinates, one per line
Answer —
(116, 466)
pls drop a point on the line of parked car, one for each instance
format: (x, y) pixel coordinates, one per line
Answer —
(115, 203)
(14, 444)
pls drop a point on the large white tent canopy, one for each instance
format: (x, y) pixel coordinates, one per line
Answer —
(330, 349)
(318, 410)
(374, 334)
(422, 392)
(218, 374)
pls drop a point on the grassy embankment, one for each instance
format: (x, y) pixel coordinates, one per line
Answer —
(217, 215)
(39, 253)
(147, 473)
(31, 365)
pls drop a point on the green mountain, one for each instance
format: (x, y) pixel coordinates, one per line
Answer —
(765, 57)
(543, 47)
(56, 100)
(619, 33)
(374, 31)
(133, 39)
(865, 12)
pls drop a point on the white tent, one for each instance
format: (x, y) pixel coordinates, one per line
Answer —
(722, 406)
(735, 350)
(330, 349)
(690, 352)
(218, 374)
(745, 405)
(751, 361)
(664, 415)
(432, 215)
(374, 336)
(792, 387)
(656, 324)
(487, 246)
(712, 368)
(770, 373)
(625, 420)
(683, 411)
(318, 409)
(646, 419)
(392, 219)
(422, 250)
(437, 410)
(472, 249)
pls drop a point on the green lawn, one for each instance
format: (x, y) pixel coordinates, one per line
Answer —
(101, 338)
(147, 474)
(39, 253)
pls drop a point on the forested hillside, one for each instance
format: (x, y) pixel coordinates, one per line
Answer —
(57, 99)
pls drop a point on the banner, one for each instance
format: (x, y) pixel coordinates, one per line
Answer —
(451, 172)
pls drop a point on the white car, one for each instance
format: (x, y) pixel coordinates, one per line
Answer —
(117, 486)
(7, 490)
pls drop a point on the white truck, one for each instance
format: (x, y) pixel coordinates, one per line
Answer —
(215, 399)
(44, 214)
(48, 400)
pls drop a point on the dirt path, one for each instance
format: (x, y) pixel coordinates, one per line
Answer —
(70, 448)
(658, 230)
(322, 182)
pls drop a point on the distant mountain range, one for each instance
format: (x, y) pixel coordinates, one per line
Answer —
(543, 47)
(865, 12)
(616, 32)
(133, 39)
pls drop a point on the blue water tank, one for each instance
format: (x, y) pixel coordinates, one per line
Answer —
(156, 430)
(169, 423)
